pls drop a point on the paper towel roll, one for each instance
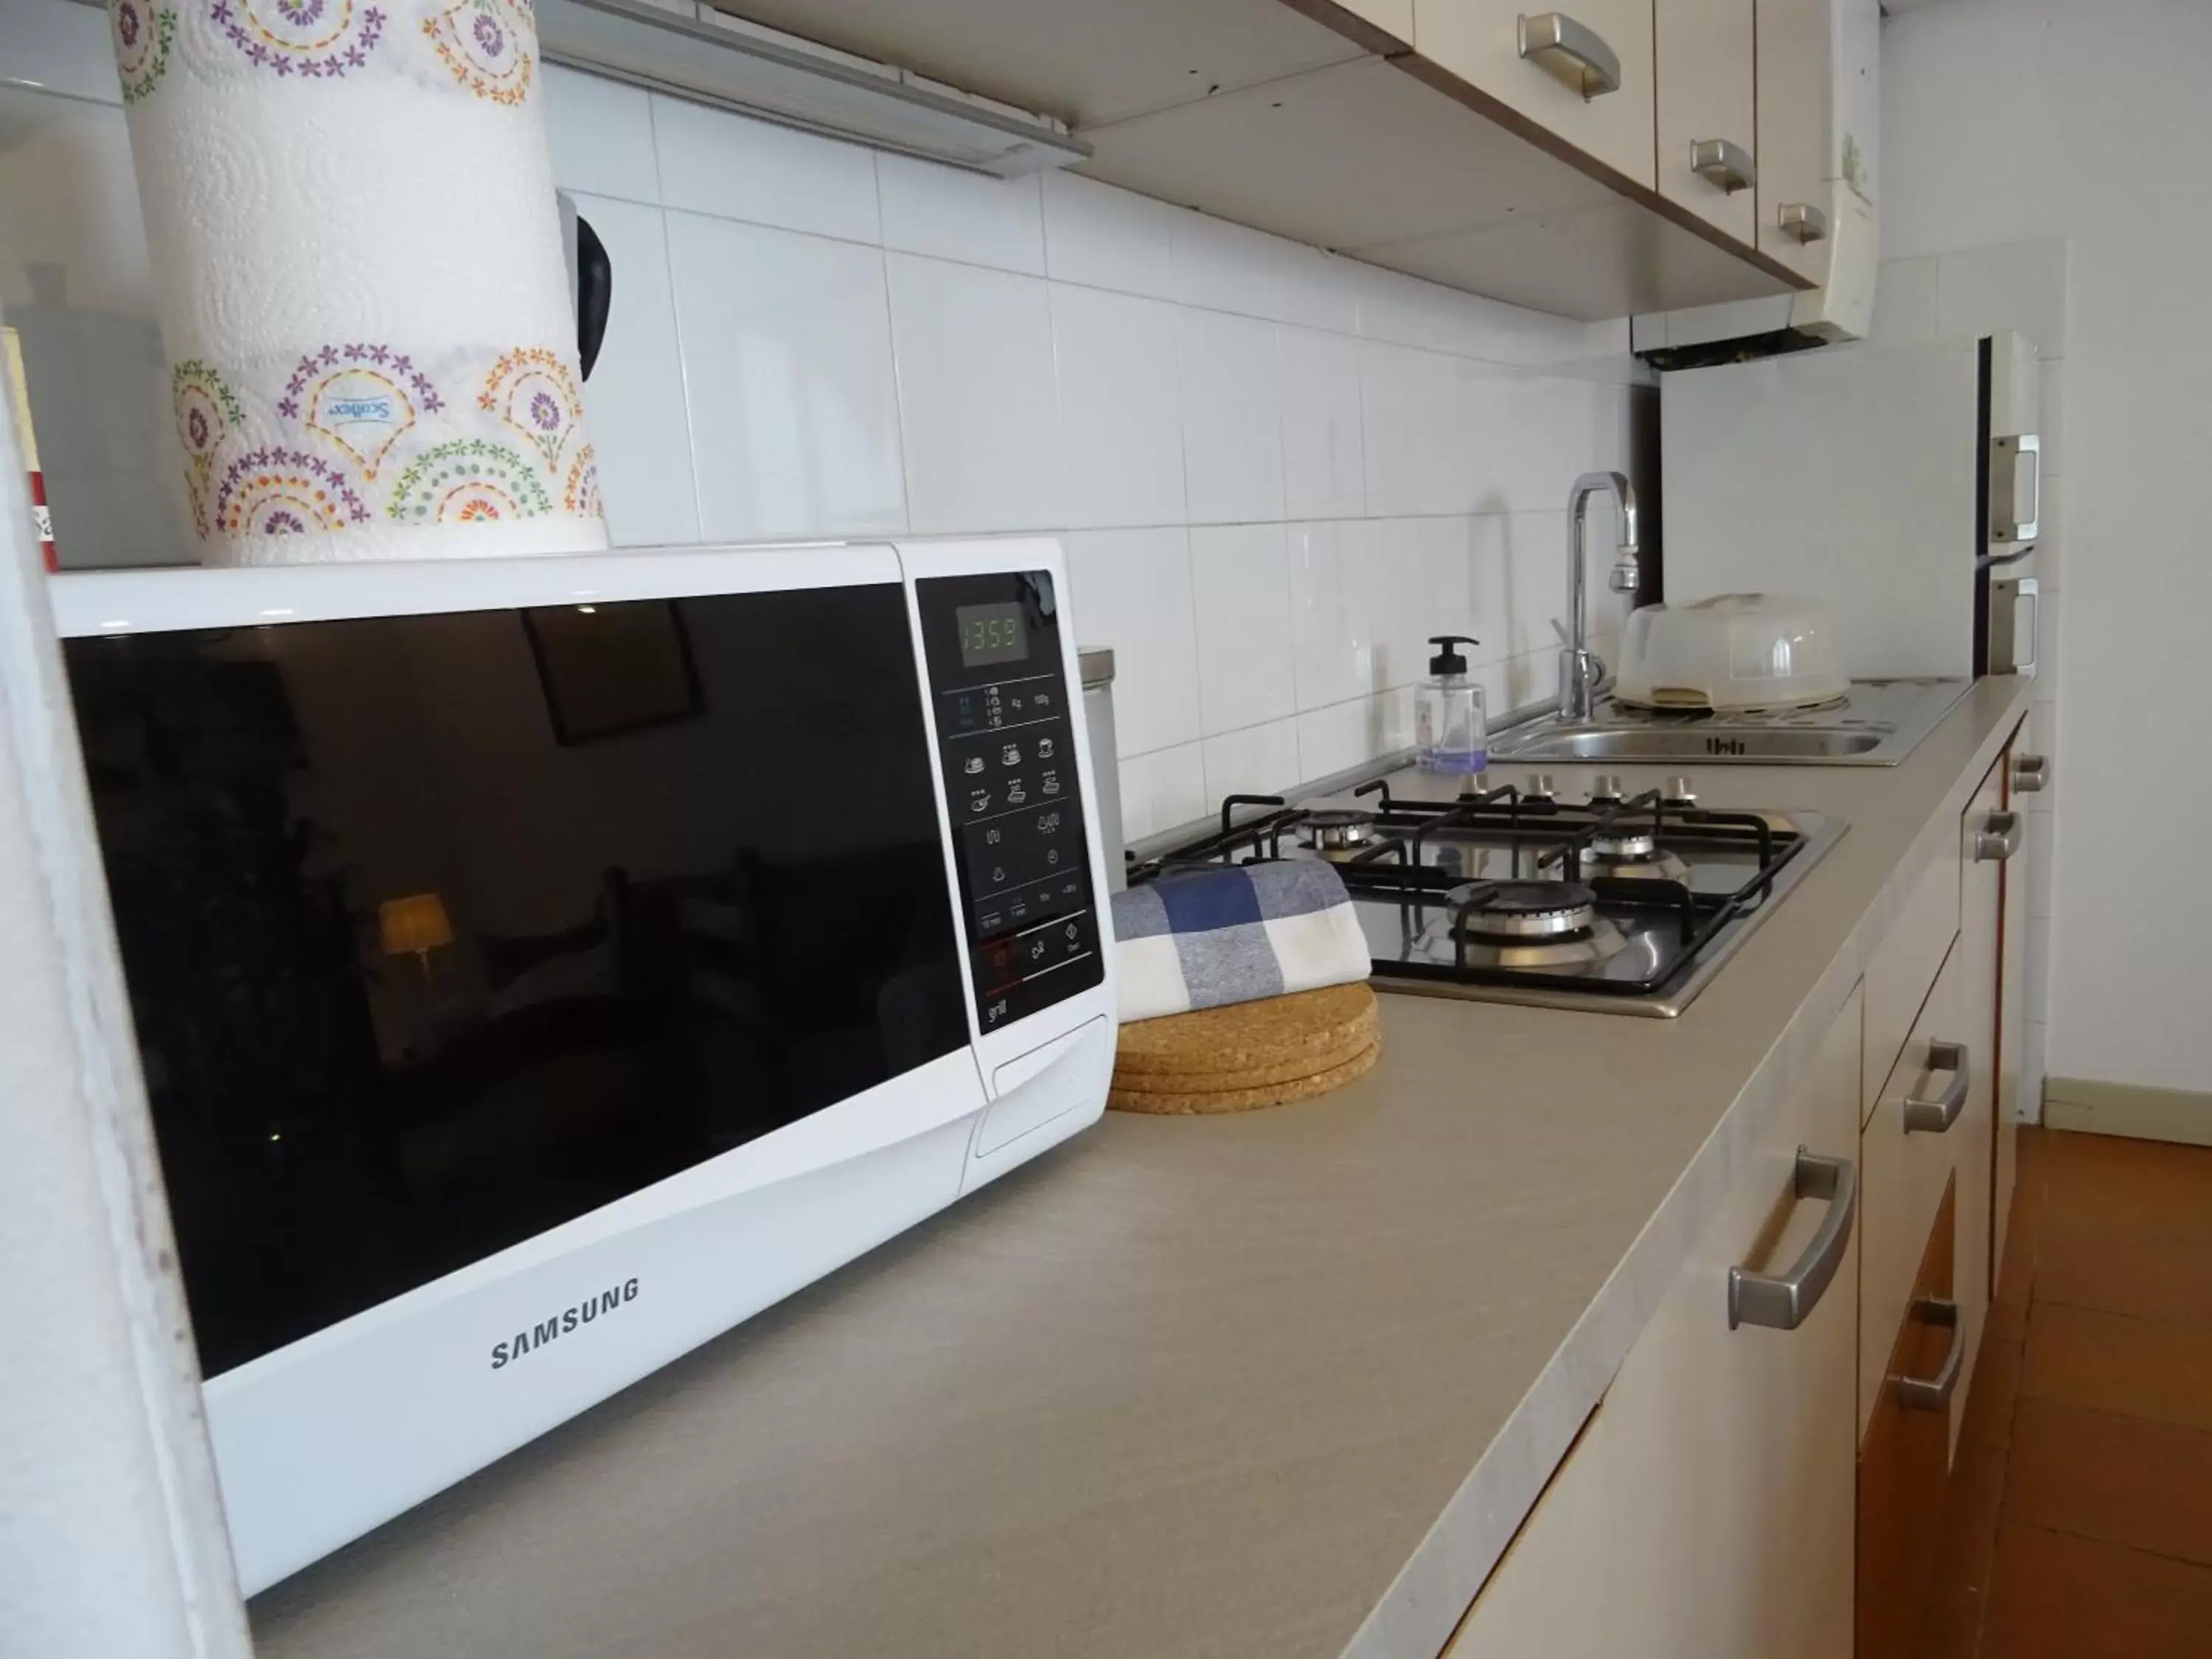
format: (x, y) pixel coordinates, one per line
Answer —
(350, 214)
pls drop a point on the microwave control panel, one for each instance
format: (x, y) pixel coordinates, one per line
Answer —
(1006, 711)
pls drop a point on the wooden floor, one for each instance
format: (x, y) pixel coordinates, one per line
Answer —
(2079, 1518)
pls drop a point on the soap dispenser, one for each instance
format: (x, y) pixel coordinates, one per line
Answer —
(1450, 733)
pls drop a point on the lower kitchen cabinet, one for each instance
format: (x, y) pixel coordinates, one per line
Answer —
(1904, 1459)
(1705, 1512)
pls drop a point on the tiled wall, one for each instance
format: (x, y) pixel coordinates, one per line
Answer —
(1276, 472)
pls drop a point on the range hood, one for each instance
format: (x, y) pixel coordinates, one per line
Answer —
(695, 51)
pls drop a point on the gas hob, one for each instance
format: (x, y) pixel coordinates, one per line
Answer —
(1623, 903)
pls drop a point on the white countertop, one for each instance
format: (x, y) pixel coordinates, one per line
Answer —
(1277, 1383)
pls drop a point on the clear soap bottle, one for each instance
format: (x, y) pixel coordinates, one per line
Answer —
(1451, 733)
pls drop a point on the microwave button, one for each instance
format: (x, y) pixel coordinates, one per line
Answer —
(1049, 783)
(1044, 749)
(1010, 754)
(974, 766)
(979, 800)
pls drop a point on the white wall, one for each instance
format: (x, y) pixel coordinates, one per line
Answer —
(2010, 122)
(1277, 472)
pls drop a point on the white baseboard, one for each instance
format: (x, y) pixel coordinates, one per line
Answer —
(2127, 1109)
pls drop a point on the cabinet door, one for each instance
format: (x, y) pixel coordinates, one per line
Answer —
(1983, 830)
(1906, 1170)
(1708, 111)
(1903, 1465)
(1794, 95)
(1480, 41)
(2011, 1001)
(1707, 1512)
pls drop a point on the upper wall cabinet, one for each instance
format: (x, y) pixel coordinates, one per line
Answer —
(1584, 76)
(1708, 111)
(1542, 158)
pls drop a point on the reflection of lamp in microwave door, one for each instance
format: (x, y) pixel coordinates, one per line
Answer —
(415, 925)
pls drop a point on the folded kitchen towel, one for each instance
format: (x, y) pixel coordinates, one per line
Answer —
(1198, 938)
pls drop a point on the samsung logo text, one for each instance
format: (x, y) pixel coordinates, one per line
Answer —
(567, 1319)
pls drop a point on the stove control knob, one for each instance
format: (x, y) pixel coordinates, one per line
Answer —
(1606, 787)
(1540, 787)
(1680, 793)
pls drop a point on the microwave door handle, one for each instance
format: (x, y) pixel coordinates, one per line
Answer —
(2031, 453)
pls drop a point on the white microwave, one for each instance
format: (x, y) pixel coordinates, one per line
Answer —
(540, 966)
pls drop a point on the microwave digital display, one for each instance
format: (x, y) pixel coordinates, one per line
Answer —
(991, 634)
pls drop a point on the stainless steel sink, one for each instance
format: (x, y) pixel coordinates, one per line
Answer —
(1602, 743)
(1878, 724)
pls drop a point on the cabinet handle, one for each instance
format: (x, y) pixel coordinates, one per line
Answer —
(1936, 1115)
(1800, 222)
(1998, 838)
(1932, 1394)
(1572, 52)
(2015, 461)
(2031, 774)
(1727, 167)
(1784, 1302)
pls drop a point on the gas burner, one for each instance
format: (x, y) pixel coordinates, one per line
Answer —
(1530, 925)
(1631, 855)
(1522, 912)
(1337, 828)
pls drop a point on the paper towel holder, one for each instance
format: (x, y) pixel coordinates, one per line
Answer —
(591, 282)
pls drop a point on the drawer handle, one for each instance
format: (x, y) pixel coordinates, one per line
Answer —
(1935, 1116)
(1784, 1302)
(1998, 838)
(2031, 774)
(1727, 167)
(1572, 52)
(1932, 1394)
(1800, 222)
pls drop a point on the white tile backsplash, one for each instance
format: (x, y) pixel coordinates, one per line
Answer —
(1333, 655)
(975, 397)
(714, 161)
(601, 135)
(787, 372)
(1324, 451)
(1277, 471)
(1232, 374)
(1103, 237)
(953, 213)
(1241, 585)
(1161, 790)
(1121, 431)
(635, 397)
(1132, 587)
(1257, 760)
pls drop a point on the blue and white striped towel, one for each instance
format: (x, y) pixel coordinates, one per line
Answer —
(1197, 938)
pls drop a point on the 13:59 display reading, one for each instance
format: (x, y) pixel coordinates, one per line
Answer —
(992, 633)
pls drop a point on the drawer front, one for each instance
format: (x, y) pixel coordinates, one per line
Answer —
(1480, 41)
(1903, 965)
(1708, 111)
(1906, 1171)
(1903, 1463)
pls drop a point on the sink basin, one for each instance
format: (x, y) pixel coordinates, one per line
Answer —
(1690, 743)
(1877, 723)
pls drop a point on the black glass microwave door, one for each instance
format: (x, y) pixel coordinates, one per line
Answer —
(440, 930)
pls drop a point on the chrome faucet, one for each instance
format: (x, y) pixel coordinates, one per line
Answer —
(1579, 670)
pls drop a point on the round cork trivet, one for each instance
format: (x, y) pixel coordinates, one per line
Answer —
(1166, 1103)
(1256, 1043)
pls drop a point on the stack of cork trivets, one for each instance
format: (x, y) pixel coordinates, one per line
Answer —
(1234, 1058)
